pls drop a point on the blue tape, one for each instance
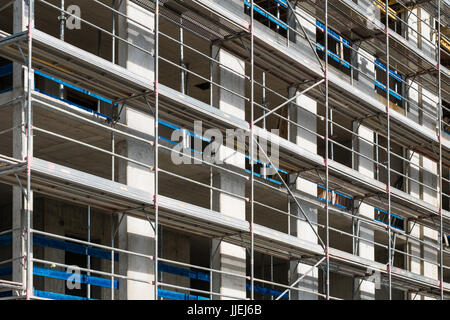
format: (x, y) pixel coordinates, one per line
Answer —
(340, 206)
(184, 272)
(168, 140)
(63, 245)
(343, 195)
(206, 277)
(391, 92)
(274, 181)
(5, 271)
(5, 240)
(267, 15)
(78, 278)
(265, 164)
(385, 212)
(282, 2)
(73, 247)
(5, 90)
(178, 295)
(86, 92)
(333, 56)
(392, 73)
(333, 34)
(6, 70)
(174, 127)
(335, 204)
(73, 104)
(338, 193)
(5, 294)
(203, 277)
(392, 226)
(267, 178)
(267, 291)
(57, 296)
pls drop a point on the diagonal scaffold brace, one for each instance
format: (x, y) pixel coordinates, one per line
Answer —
(293, 196)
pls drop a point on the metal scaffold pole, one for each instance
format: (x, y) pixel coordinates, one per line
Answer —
(29, 136)
(156, 84)
(88, 255)
(388, 152)
(252, 144)
(440, 124)
(327, 156)
(62, 19)
(113, 60)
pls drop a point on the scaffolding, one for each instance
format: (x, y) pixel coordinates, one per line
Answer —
(262, 38)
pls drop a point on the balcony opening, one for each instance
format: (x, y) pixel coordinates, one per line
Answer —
(6, 75)
(395, 87)
(339, 49)
(271, 13)
(394, 15)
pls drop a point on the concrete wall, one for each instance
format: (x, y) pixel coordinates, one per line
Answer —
(70, 220)
(365, 290)
(424, 170)
(304, 114)
(19, 203)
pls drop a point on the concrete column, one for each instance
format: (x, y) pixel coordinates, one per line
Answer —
(428, 38)
(419, 250)
(414, 264)
(19, 201)
(225, 256)
(365, 290)
(136, 234)
(308, 22)
(305, 116)
(372, 12)
(131, 57)
(414, 23)
(421, 35)
(366, 72)
(414, 97)
(428, 235)
(429, 103)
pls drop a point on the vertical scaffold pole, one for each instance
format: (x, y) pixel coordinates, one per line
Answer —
(252, 145)
(62, 21)
(113, 60)
(113, 46)
(263, 101)
(327, 156)
(388, 129)
(441, 234)
(29, 135)
(87, 253)
(183, 73)
(112, 255)
(156, 67)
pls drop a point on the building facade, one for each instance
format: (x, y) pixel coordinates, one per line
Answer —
(204, 149)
